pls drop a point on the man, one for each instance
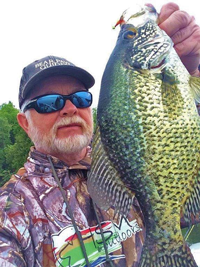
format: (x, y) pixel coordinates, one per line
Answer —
(47, 217)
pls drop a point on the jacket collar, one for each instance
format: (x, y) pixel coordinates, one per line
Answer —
(42, 161)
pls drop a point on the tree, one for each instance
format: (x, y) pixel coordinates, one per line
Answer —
(5, 129)
(14, 143)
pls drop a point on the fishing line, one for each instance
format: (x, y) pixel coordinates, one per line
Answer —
(70, 212)
(102, 235)
(188, 232)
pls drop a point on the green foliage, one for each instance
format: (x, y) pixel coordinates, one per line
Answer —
(14, 143)
(5, 129)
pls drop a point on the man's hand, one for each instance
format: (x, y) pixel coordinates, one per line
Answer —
(185, 34)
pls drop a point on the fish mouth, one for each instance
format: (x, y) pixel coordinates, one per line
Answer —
(160, 65)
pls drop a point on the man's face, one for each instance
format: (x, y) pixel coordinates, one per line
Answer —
(65, 131)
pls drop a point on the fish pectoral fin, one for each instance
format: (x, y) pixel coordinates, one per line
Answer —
(108, 193)
(195, 87)
(104, 183)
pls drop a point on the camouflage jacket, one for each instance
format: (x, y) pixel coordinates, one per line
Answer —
(36, 229)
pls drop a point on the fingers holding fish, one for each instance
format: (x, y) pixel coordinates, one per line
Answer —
(189, 52)
(166, 11)
(185, 34)
(172, 19)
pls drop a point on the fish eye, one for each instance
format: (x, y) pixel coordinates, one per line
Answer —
(130, 34)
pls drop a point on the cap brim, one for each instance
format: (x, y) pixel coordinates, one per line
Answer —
(82, 75)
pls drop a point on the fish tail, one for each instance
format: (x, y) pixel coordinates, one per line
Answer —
(179, 258)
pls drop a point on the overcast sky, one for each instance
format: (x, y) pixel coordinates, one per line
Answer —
(81, 31)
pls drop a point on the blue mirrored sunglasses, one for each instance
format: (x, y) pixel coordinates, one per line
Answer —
(54, 102)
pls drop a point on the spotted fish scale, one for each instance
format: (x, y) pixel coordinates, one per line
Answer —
(148, 142)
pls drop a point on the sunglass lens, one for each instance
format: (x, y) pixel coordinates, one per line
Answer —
(82, 99)
(50, 103)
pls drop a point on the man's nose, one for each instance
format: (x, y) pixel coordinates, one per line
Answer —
(69, 109)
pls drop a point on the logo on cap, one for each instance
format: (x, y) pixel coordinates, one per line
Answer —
(50, 63)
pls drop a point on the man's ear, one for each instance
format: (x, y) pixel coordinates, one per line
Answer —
(23, 122)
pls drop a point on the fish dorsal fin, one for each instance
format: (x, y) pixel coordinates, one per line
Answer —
(195, 87)
(104, 183)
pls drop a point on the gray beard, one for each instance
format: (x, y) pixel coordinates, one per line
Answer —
(51, 144)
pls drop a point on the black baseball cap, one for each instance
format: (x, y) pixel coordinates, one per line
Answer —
(50, 66)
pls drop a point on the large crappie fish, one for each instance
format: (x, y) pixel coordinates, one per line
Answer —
(147, 143)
